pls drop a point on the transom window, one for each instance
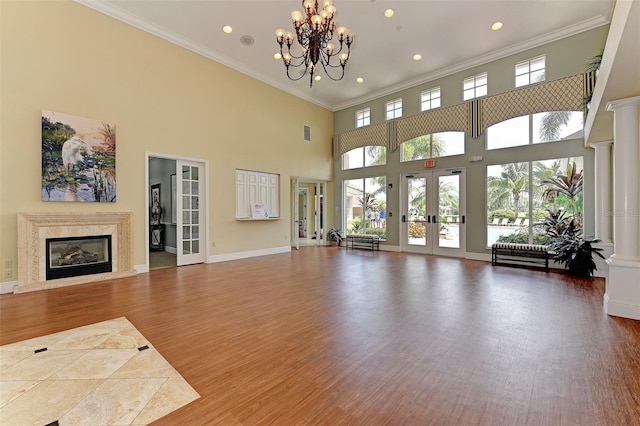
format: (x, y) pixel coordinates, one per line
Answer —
(430, 99)
(394, 109)
(364, 157)
(431, 146)
(530, 71)
(363, 117)
(536, 128)
(474, 87)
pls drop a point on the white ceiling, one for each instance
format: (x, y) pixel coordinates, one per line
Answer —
(451, 35)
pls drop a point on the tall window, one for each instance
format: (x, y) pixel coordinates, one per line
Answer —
(430, 146)
(519, 195)
(474, 87)
(364, 157)
(394, 109)
(365, 206)
(363, 117)
(536, 128)
(430, 99)
(530, 71)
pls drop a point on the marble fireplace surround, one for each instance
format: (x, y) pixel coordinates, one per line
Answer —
(35, 228)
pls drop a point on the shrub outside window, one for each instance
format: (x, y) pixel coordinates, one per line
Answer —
(442, 144)
(518, 197)
(365, 206)
(530, 71)
(364, 157)
(430, 99)
(475, 87)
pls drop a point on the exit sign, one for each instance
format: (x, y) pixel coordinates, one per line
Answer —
(429, 163)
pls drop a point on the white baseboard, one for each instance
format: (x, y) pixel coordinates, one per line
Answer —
(7, 287)
(171, 250)
(384, 247)
(246, 254)
(141, 269)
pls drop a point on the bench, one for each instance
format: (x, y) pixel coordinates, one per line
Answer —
(363, 241)
(520, 254)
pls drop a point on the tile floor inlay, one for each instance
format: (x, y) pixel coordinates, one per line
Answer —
(100, 374)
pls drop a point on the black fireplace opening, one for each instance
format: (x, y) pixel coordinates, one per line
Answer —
(76, 256)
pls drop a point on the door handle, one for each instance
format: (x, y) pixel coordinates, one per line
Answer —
(462, 219)
(428, 219)
(404, 218)
(434, 219)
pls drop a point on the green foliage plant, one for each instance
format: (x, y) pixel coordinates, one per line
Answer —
(335, 235)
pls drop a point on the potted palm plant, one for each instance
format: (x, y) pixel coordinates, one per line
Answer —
(563, 229)
(335, 236)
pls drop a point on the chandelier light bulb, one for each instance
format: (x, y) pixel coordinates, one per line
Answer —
(296, 17)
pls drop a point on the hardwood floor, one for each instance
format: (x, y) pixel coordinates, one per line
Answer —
(329, 336)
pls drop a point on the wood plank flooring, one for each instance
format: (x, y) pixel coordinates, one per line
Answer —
(334, 337)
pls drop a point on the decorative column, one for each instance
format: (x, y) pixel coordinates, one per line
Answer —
(603, 190)
(622, 294)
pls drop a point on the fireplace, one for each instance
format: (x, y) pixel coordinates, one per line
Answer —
(76, 256)
(104, 240)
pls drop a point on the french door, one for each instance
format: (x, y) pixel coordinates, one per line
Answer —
(190, 215)
(433, 212)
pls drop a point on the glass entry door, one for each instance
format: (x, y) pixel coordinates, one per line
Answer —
(433, 212)
(191, 221)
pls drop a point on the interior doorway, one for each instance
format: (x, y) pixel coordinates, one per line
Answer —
(308, 215)
(176, 218)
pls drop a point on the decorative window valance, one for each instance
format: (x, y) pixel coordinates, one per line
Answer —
(473, 117)
(376, 135)
(452, 118)
(565, 94)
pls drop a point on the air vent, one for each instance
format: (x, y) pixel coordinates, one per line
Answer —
(307, 133)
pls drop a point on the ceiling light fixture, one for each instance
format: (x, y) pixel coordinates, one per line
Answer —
(496, 26)
(417, 57)
(360, 80)
(314, 30)
(227, 29)
(389, 13)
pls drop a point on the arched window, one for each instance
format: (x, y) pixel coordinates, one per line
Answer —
(542, 127)
(364, 157)
(431, 146)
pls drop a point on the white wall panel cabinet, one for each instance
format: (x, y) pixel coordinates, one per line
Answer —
(254, 188)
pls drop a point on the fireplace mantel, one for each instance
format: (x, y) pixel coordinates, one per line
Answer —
(35, 228)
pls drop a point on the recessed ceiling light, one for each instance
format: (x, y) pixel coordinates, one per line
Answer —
(227, 29)
(417, 57)
(360, 80)
(317, 78)
(277, 56)
(496, 26)
(389, 13)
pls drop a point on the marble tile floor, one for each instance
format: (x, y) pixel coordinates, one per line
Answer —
(100, 374)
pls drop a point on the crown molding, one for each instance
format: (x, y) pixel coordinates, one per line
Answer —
(578, 28)
(163, 33)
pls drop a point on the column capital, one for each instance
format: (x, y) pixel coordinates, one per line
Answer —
(602, 144)
(623, 103)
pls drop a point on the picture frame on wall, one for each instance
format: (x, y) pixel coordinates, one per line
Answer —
(156, 204)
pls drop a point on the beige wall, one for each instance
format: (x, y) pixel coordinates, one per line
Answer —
(65, 57)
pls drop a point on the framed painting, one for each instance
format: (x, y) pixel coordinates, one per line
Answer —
(78, 159)
(156, 204)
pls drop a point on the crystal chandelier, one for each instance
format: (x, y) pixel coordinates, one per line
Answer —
(314, 30)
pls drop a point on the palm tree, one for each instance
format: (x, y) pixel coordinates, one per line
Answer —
(508, 188)
(551, 123)
(426, 146)
(569, 185)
